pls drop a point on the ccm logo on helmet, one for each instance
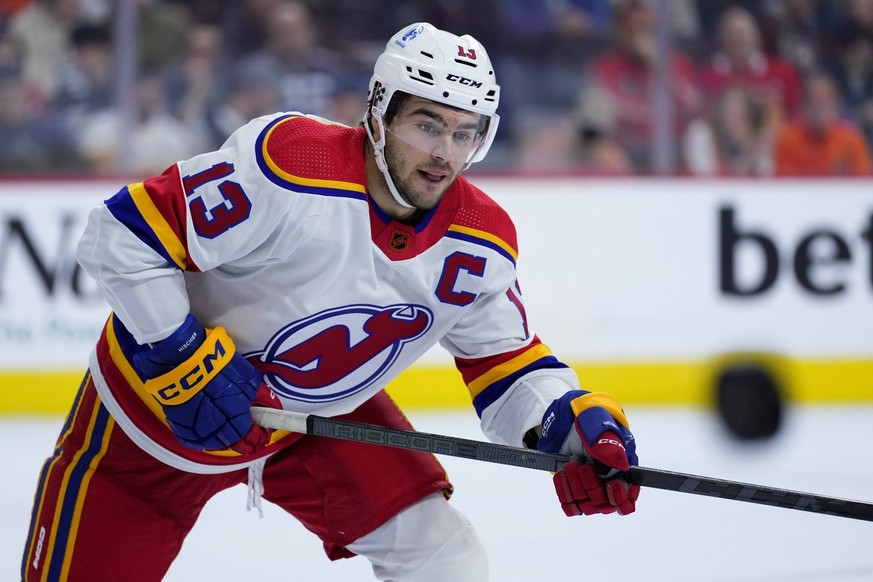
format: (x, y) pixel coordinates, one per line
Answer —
(463, 80)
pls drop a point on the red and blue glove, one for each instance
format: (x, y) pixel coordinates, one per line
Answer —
(206, 389)
(591, 425)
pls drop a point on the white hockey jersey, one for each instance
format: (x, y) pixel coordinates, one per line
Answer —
(275, 238)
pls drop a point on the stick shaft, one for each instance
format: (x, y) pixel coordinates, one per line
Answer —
(532, 459)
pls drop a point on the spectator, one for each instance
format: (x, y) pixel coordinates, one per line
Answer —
(251, 94)
(685, 21)
(206, 11)
(735, 141)
(709, 13)
(29, 143)
(307, 73)
(358, 26)
(626, 75)
(546, 25)
(741, 61)
(196, 85)
(859, 16)
(12, 59)
(347, 105)
(245, 24)
(545, 46)
(595, 148)
(820, 143)
(854, 77)
(582, 141)
(157, 140)
(8, 7)
(43, 30)
(802, 31)
(162, 32)
(85, 82)
(543, 142)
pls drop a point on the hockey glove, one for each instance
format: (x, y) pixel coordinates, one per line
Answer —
(593, 426)
(206, 388)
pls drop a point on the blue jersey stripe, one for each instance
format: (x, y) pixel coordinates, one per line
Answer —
(482, 242)
(74, 490)
(493, 392)
(123, 208)
(46, 469)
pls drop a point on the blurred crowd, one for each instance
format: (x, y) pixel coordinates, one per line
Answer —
(754, 87)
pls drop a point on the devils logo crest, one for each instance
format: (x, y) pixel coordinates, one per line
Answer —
(339, 352)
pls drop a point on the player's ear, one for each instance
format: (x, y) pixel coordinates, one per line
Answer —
(375, 128)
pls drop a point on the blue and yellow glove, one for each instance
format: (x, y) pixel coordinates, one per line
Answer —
(591, 425)
(206, 389)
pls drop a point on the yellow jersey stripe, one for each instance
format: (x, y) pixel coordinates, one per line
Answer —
(484, 235)
(62, 500)
(158, 223)
(83, 491)
(507, 368)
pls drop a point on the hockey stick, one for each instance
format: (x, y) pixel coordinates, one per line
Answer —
(531, 459)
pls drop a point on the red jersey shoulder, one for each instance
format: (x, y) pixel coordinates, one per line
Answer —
(309, 155)
(479, 212)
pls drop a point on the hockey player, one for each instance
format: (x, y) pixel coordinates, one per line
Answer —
(304, 265)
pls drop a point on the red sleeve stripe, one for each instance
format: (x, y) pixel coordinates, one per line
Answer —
(168, 198)
(269, 152)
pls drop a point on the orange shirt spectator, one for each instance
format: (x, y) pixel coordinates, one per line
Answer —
(820, 143)
(838, 150)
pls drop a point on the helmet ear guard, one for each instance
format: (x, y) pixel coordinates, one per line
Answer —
(376, 113)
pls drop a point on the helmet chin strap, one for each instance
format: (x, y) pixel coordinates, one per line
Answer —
(381, 163)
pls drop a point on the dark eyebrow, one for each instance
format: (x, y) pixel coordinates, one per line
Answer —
(441, 120)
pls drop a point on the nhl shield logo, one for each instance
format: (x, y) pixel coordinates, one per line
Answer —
(399, 241)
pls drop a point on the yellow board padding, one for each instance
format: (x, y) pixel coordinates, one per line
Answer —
(819, 381)
(435, 387)
(38, 392)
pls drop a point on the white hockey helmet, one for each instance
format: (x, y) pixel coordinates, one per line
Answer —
(452, 70)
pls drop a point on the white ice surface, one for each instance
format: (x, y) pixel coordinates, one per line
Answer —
(672, 536)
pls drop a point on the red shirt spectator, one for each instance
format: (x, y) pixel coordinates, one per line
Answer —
(626, 75)
(740, 62)
(820, 143)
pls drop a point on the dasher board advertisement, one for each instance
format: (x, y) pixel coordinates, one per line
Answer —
(646, 286)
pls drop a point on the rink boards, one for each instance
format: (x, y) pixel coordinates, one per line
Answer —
(648, 287)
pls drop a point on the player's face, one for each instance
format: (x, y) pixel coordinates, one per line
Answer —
(427, 146)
